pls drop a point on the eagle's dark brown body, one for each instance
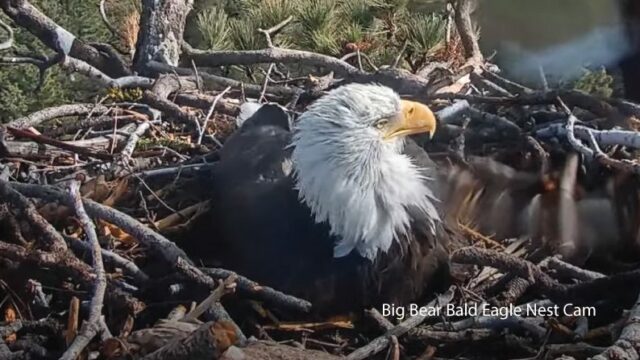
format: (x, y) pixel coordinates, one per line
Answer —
(259, 228)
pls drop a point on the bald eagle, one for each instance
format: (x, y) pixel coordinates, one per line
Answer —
(339, 208)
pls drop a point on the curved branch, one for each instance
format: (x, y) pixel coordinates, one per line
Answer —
(7, 44)
(94, 73)
(107, 23)
(51, 113)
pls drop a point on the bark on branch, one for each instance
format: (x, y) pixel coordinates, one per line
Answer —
(93, 324)
(59, 39)
(464, 25)
(162, 25)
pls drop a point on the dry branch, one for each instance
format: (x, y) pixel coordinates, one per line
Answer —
(62, 263)
(129, 267)
(38, 117)
(462, 16)
(208, 342)
(23, 208)
(380, 343)
(59, 39)
(628, 344)
(93, 324)
(204, 58)
(128, 149)
(265, 293)
(93, 73)
(468, 335)
(60, 144)
(6, 44)
(157, 243)
(205, 102)
(157, 96)
(572, 271)
(202, 128)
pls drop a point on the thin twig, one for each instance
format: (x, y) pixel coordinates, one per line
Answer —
(272, 31)
(266, 82)
(224, 287)
(134, 137)
(203, 128)
(103, 15)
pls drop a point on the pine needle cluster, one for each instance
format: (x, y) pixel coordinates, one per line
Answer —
(379, 29)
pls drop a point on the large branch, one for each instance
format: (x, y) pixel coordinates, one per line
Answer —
(209, 341)
(463, 9)
(162, 25)
(158, 244)
(59, 39)
(628, 344)
(401, 81)
(102, 78)
(38, 117)
(269, 55)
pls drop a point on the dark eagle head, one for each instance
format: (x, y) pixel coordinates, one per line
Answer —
(351, 171)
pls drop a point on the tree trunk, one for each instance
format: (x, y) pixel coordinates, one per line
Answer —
(161, 31)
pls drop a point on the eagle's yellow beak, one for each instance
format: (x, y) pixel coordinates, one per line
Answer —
(415, 118)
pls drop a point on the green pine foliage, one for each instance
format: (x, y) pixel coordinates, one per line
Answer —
(214, 26)
(377, 28)
(596, 82)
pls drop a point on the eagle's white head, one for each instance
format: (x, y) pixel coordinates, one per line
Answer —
(350, 169)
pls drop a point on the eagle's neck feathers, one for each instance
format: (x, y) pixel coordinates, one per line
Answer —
(362, 189)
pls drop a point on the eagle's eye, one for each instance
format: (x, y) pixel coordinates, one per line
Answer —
(380, 124)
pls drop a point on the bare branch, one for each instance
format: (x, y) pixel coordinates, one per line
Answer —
(60, 144)
(26, 210)
(262, 292)
(116, 260)
(133, 141)
(380, 343)
(91, 72)
(38, 117)
(462, 15)
(571, 136)
(627, 346)
(203, 128)
(7, 44)
(268, 33)
(158, 244)
(107, 23)
(60, 39)
(270, 55)
(93, 324)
